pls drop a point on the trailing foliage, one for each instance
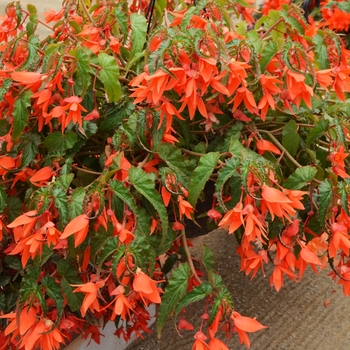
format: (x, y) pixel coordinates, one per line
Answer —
(116, 127)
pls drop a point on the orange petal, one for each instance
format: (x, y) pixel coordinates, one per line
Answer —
(75, 225)
(247, 324)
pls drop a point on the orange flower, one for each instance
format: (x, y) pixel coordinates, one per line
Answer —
(276, 279)
(216, 344)
(325, 78)
(269, 88)
(183, 324)
(199, 343)
(90, 301)
(185, 208)
(74, 111)
(42, 176)
(243, 324)
(233, 219)
(30, 80)
(6, 164)
(298, 89)
(243, 94)
(146, 287)
(237, 75)
(264, 145)
(79, 227)
(122, 305)
(339, 240)
(27, 221)
(338, 165)
(277, 203)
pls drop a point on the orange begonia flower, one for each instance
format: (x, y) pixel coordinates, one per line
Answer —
(264, 145)
(42, 176)
(217, 344)
(243, 324)
(6, 164)
(185, 208)
(277, 203)
(233, 219)
(79, 226)
(146, 287)
(90, 301)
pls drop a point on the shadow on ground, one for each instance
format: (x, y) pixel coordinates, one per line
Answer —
(296, 316)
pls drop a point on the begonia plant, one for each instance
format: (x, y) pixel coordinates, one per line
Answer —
(131, 114)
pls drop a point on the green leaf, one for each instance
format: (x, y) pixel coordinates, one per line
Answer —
(223, 294)
(74, 300)
(321, 51)
(293, 22)
(236, 148)
(138, 34)
(116, 259)
(143, 254)
(325, 191)
(123, 193)
(5, 86)
(201, 175)
(3, 197)
(64, 181)
(54, 292)
(108, 249)
(196, 294)
(122, 20)
(343, 6)
(278, 30)
(2, 302)
(144, 185)
(31, 149)
(82, 61)
(290, 137)
(75, 205)
(269, 51)
(33, 22)
(227, 171)
(317, 131)
(208, 259)
(300, 178)
(58, 142)
(174, 291)
(21, 114)
(169, 263)
(344, 196)
(109, 75)
(50, 56)
(60, 199)
(255, 40)
(99, 239)
(30, 289)
(33, 52)
(173, 157)
(13, 262)
(14, 208)
(68, 271)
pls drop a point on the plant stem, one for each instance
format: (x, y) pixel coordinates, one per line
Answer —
(86, 170)
(191, 153)
(280, 146)
(83, 5)
(189, 257)
(272, 28)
